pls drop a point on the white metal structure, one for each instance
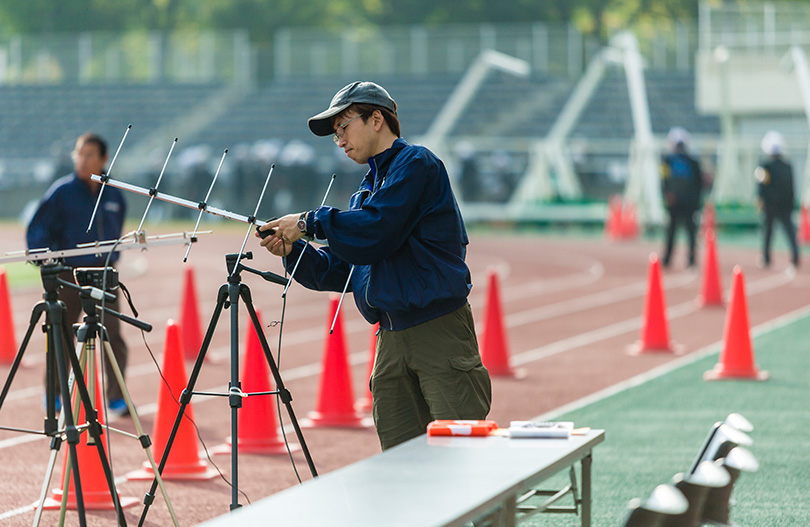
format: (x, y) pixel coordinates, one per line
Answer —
(465, 91)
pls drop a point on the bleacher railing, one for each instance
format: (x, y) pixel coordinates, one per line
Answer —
(231, 57)
(768, 26)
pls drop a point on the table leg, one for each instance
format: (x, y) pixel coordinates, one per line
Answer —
(586, 490)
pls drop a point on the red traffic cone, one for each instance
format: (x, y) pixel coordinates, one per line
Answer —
(711, 292)
(804, 225)
(8, 343)
(737, 357)
(613, 223)
(258, 426)
(655, 329)
(335, 405)
(494, 344)
(629, 221)
(184, 461)
(709, 217)
(365, 404)
(95, 489)
(190, 317)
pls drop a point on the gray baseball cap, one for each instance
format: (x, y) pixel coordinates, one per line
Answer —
(356, 92)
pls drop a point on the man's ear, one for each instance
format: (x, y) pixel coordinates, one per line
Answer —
(377, 120)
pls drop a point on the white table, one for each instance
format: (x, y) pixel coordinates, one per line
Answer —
(431, 481)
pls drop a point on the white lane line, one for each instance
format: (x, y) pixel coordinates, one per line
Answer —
(762, 329)
(625, 326)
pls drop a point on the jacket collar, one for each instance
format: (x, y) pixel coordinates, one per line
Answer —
(379, 164)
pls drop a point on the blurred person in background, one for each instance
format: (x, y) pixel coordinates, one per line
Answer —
(775, 194)
(60, 222)
(681, 185)
(402, 243)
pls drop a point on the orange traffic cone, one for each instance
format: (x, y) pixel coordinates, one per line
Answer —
(8, 343)
(95, 489)
(494, 345)
(190, 317)
(258, 426)
(655, 329)
(804, 225)
(184, 461)
(629, 221)
(737, 357)
(709, 217)
(613, 223)
(365, 404)
(335, 405)
(711, 292)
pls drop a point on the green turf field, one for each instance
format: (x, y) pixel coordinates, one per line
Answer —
(655, 430)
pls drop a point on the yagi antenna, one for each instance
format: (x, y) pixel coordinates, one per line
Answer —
(104, 179)
(295, 267)
(154, 190)
(204, 204)
(252, 219)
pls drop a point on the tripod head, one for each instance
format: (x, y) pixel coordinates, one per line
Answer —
(49, 272)
(231, 263)
(91, 296)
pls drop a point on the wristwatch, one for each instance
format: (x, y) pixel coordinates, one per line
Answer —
(302, 223)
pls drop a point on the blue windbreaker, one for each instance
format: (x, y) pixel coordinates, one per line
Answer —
(61, 219)
(405, 237)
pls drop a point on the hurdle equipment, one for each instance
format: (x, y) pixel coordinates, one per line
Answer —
(664, 501)
(718, 503)
(695, 488)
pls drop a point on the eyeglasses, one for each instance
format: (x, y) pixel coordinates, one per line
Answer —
(338, 135)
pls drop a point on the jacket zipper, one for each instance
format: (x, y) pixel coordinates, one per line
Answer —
(378, 181)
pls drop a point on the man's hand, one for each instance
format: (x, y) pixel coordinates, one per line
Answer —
(286, 232)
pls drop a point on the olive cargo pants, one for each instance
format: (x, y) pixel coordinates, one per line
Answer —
(426, 372)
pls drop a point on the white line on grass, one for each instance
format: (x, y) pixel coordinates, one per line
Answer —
(669, 367)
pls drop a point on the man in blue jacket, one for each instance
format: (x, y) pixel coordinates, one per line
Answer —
(402, 245)
(681, 186)
(776, 196)
(60, 222)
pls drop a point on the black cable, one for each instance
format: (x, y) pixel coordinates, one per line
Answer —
(186, 416)
(278, 366)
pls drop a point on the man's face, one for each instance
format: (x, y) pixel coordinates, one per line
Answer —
(355, 136)
(87, 160)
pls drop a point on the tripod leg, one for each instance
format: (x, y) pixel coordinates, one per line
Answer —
(35, 316)
(142, 437)
(57, 337)
(185, 397)
(94, 428)
(284, 394)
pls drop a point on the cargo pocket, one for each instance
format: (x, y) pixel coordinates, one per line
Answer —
(473, 387)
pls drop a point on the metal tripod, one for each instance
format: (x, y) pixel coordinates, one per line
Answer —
(59, 355)
(228, 297)
(86, 335)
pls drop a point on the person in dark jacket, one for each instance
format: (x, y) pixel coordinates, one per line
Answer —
(60, 222)
(401, 245)
(776, 196)
(682, 183)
